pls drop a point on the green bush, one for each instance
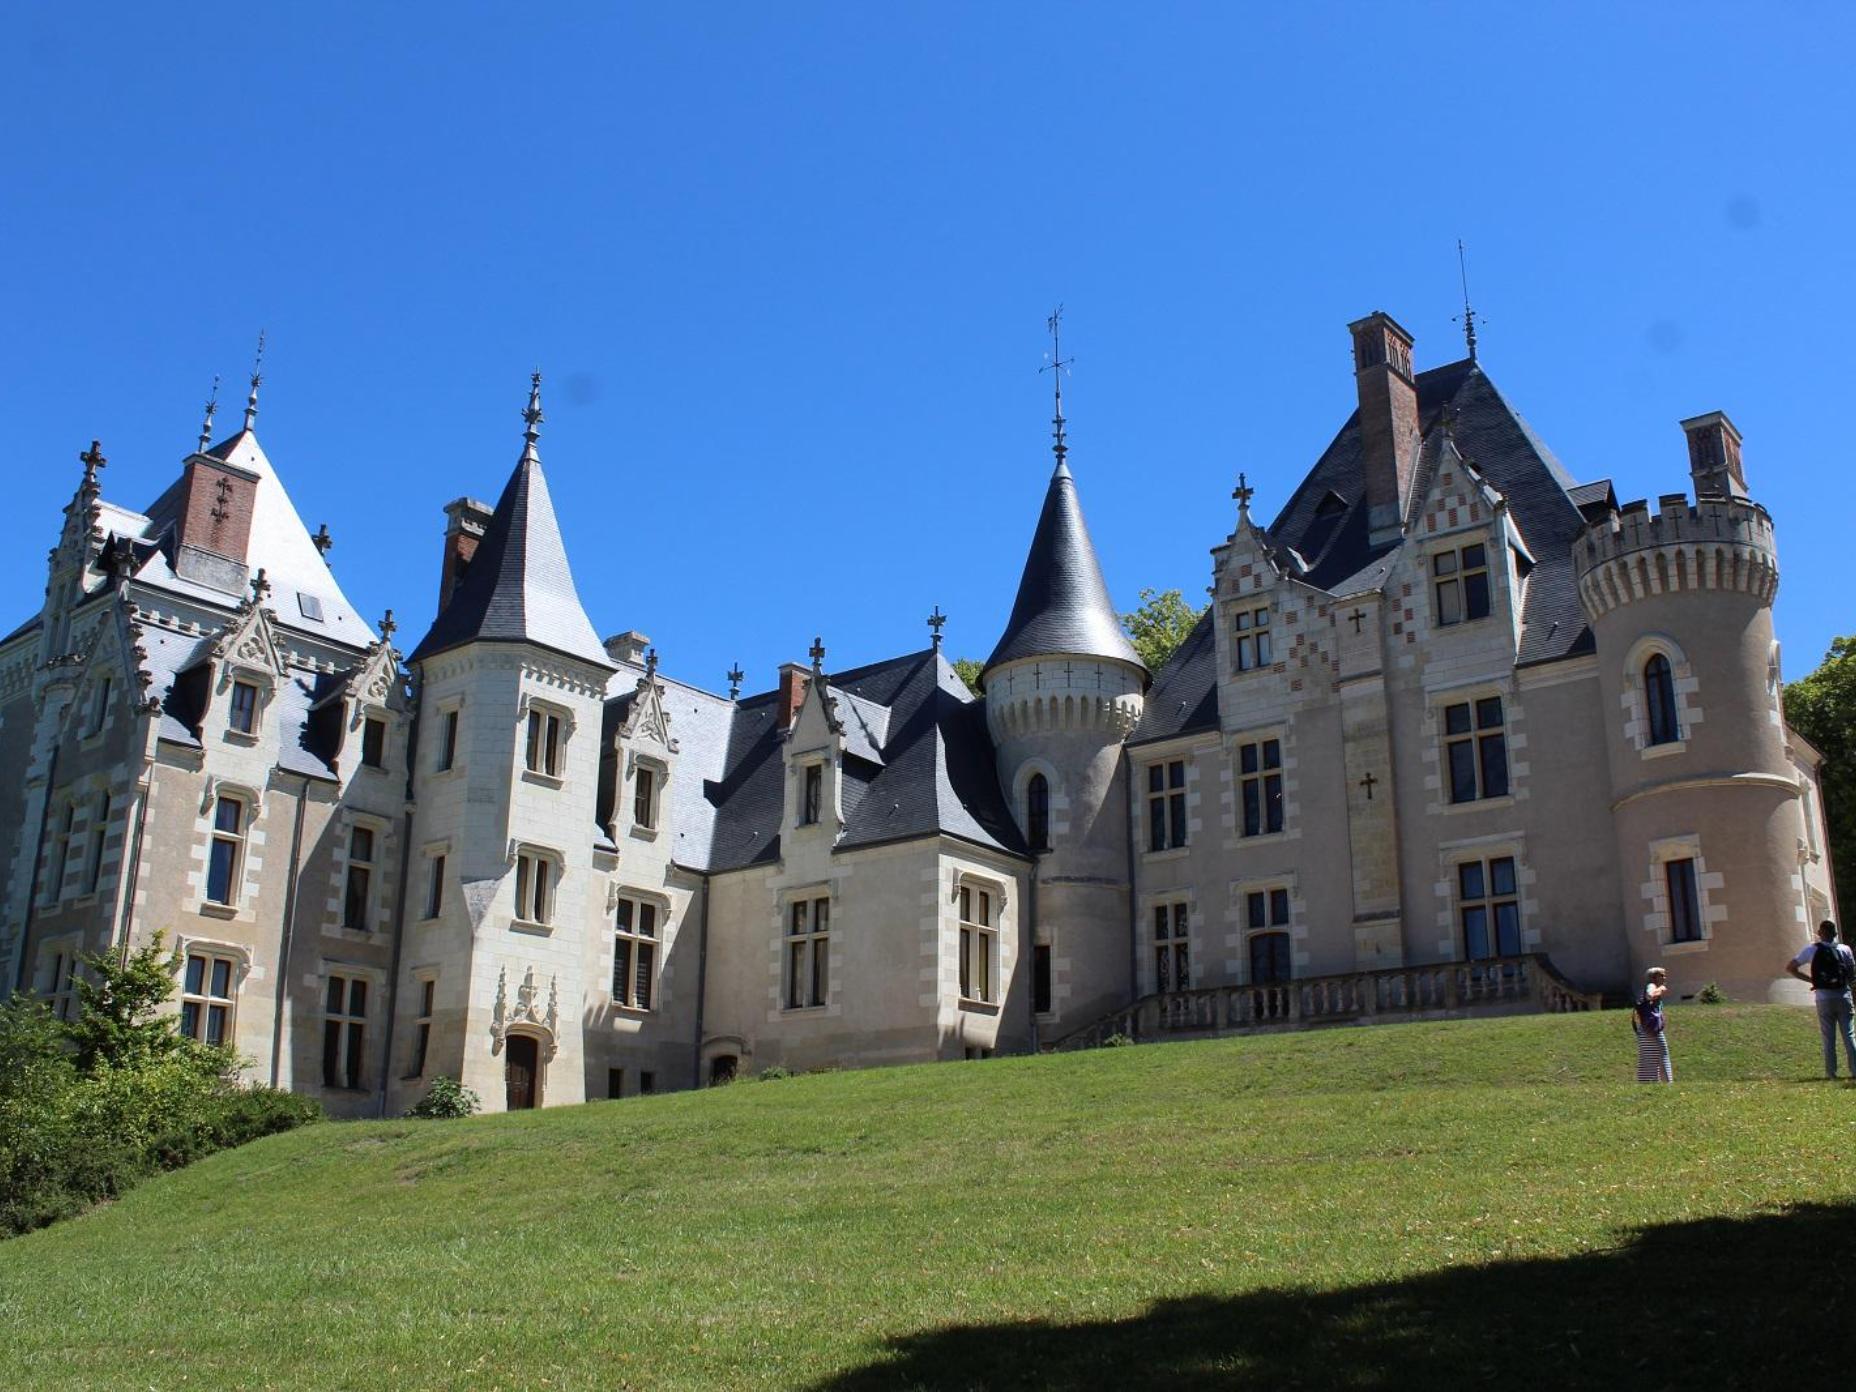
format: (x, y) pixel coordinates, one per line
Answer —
(447, 1097)
(1711, 994)
(774, 1072)
(1117, 1041)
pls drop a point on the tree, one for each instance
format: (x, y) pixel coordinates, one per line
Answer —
(1160, 625)
(119, 1023)
(969, 669)
(1822, 708)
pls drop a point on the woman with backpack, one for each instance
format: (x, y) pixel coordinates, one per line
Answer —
(1646, 1019)
(1833, 969)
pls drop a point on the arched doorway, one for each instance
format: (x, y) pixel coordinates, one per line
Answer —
(522, 1072)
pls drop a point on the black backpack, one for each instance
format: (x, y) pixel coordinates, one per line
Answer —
(1830, 969)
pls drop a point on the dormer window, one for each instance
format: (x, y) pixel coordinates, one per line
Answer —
(812, 794)
(544, 742)
(244, 717)
(100, 712)
(1460, 584)
(644, 798)
(373, 742)
(1251, 632)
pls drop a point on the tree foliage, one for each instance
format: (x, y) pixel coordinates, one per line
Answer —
(119, 1023)
(1822, 708)
(969, 669)
(1160, 625)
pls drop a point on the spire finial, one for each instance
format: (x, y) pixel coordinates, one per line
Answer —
(206, 421)
(260, 587)
(1243, 493)
(735, 674)
(935, 621)
(532, 417)
(92, 460)
(1057, 365)
(322, 541)
(650, 665)
(817, 653)
(257, 380)
(1468, 317)
(387, 627)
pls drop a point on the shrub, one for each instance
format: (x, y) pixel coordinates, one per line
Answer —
(774, 1072)
(1711, 994)
(1117, 1041)
(447, 1097)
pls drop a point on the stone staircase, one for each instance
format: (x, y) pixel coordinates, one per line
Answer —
(1446, 991)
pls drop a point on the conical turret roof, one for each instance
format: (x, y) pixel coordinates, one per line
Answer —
(1063, 608)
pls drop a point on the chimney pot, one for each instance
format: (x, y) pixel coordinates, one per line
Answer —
(628, 647)
(1388, 420)
(466, 520)
(1714, 456)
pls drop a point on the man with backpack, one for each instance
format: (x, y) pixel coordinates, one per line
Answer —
(1833, 970)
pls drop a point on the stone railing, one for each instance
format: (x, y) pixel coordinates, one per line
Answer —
(1500, 984)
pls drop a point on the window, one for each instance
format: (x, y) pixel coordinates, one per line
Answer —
(61, 866)
(813, 794)
(644, 798)
(422, 1026)
(308, 605)
(1040, 978)
(244, 718)
(647, 1082)
(634, 957)
(544, 743)
(1266, 918)
(808, 930)
(1659, 699)
(1260, 776)
(357, 894)
(1251, 635)
(1684, 901)
(615, 1083)
(225, 859)
(60, 984)
(1460, 581)
(434, 886)
(344, 1032)
(448, 741)
(1172, 960)
(1037, 812)
(373, 743)
(100, 712)
(979, 946)
(1166, 805)
(206, 998)
(99, 827)
(1477, 748)
(1488, 908)
(534, 888)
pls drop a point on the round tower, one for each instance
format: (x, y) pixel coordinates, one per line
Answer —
(1706, 806)
(1063, 689)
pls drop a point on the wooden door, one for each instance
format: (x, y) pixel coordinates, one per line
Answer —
(520, 1070)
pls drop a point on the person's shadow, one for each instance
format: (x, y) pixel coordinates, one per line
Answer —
(1715, 1303)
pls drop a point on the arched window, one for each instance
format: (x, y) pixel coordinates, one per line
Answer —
(1037, 812)
(1659, 696)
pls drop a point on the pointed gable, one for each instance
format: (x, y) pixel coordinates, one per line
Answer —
(1063, 608)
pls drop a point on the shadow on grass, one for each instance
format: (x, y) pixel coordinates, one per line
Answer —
(1717, 1303)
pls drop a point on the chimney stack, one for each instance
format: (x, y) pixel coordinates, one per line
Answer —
(1388, 420)
(214, 532)
(466, 520)
(628, 647)
(794, 678)
(1714, 456)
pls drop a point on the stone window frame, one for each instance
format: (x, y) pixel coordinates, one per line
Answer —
(659, 771)
(634, 938)
(367, 720)
(57, 872)
(1295, 924)
(347, 1048)
(808, 944)
(449, 727)
(55, 976)
(425, 1009)
(1635, 700)
(528, 853)
(1710, 902)
(263, 681)
(1457, 544)
(251, 803)
(533, 716)
(101, 691)
(1057, 803)
(96, 849)
(979, 939)
(205, 1000)
(1176, 801)
(380, 830)
(1172, 910)
(435, 857)
(811, 792)
(1253, 638)
(1279, 736)
(1472, 697)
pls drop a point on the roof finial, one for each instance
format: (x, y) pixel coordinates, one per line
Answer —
(1468, 317)
(935, 621)
(206, 422)
(532, 417)
(1243, 493)
(817, 654)
(260, 587)
(734, 674)
(257, 380)
(387, 627)
(92, 460)
(650, 665)
(322, 541)
(1056, 367)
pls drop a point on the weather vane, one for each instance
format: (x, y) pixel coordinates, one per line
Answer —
(1468, 317)
(1057, 365)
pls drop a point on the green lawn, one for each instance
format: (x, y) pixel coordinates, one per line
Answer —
(1464, 1204)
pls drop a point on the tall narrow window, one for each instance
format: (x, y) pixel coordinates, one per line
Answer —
(100, 712)
(1037, 812)
(244, 717)
(1684, 901)
(358, 893)
(434, 886)
(206, 998)
(1251, 639)
(544, 743)
(813, 794)
(1266, 919)
(615, 1083)
(373, 743)
(226, 857)
(1659, 697)
(534, 888)
(1460, 581)
(1040, 978)
(979, 946)
(1489, 909)
(808, 933)
(634, 956)
(61, 867)
(422, 1026)
(644, 799)
(1476, 745)
(61, 986)
(1172, 960)
(344, 1032)
(1260, 776)
(1166, 805)
(99, 828)
(448, 741)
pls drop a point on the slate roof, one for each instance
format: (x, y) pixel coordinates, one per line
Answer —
(519, 588)
(1063, 608)
(1325, 524)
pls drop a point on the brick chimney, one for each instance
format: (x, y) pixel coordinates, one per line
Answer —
(1388, 420)
(214, 532)
(795, 677)
(466, 520)
(1714, 456)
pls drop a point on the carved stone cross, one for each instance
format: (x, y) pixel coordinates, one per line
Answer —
(1243, 493)
(817, 652)
(1368, 783)
(735, 674)
(92, 460)
(1358, 616)
(387, 627)
(935, 621)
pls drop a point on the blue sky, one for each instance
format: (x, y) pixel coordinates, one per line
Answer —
(787, 267)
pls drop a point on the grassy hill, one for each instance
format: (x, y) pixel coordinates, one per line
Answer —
(1463, 1204)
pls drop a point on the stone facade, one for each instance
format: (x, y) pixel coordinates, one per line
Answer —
(1449, 707)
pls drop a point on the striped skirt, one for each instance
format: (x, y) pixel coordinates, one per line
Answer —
(1653, 1059)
